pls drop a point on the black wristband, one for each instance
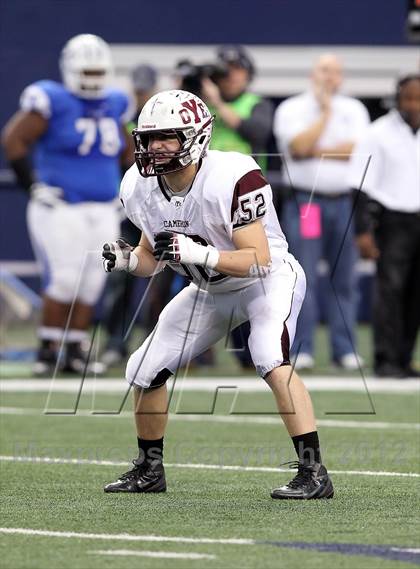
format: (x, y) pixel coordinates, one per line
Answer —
(23, 171)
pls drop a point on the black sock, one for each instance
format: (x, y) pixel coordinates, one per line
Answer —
(307, 447)
(150, 450)
(74, 349)
(47, 344)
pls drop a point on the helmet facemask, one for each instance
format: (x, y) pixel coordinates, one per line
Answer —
(193, 145)
(91, 83)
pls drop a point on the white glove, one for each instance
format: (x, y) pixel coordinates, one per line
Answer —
(179, 248)
(118, 256)
(50, 196)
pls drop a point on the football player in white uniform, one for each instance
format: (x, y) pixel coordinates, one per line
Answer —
(209, 215)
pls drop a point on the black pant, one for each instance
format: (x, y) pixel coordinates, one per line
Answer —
(397, 288)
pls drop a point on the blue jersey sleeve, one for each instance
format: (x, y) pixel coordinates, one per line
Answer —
(47, 98)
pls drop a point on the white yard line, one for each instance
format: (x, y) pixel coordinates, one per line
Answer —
(405, 550)
(125, 537)
(118, 385)
(234, 468)
(147, 538)
(155, 554)
(197, 418)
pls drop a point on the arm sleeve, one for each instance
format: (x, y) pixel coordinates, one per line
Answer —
(35, 98)
(250, 200)
(257, 128)
(362, 219)
(127, 187)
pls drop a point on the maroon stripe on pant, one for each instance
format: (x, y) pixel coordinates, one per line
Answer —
(285, 346)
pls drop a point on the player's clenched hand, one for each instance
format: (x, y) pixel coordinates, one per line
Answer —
(179, 248)
(118, 256)
(49, 196)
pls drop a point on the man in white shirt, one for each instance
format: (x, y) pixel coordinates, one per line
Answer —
(316, 132)
(386, 166)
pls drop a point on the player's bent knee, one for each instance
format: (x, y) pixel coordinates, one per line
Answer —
(281, 370)
(91, 287)
(63, 286)
(263, 370)
(141, 376)
(89, 297)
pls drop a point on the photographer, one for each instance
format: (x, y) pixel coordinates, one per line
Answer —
(243, 119)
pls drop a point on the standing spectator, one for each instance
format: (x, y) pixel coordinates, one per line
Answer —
(316, 131)
(389, 226)
(120, 286)
(243, 124)
(77, 131)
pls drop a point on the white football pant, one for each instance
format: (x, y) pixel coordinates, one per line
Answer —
(195, 320)
(67, 240)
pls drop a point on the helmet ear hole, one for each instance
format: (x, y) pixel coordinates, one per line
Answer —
(145, 141)
(202, 138)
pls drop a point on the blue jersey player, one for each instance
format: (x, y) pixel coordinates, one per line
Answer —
(75, 130)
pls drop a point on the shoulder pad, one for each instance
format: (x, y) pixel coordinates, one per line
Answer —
(44, 97)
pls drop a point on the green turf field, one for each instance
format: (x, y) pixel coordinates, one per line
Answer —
(213, 515)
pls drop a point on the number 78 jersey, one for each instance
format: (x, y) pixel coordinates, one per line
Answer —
(228, 193)
(80, 150)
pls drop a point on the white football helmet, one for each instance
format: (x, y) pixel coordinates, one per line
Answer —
(86, 66)
(172, 112)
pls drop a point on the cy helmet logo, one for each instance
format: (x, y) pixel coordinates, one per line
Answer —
(192, 109)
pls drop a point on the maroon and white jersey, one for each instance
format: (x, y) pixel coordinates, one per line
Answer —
(228, 192)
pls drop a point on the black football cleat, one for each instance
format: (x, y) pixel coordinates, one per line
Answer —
(76, 363)
(45, 363)
(310, 483)
(144, 477)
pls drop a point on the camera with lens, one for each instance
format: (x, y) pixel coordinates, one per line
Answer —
(191, 75)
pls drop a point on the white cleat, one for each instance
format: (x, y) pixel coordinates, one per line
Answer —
(111, 358)
(304, 361)
(351, 362)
